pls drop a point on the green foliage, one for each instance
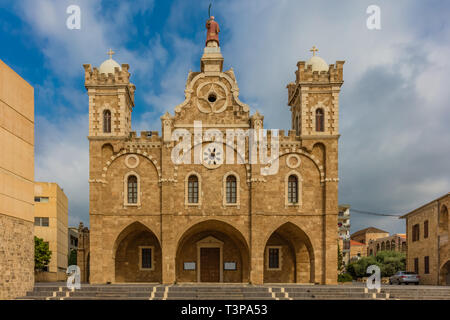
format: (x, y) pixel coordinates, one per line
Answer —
(72, 258)
(42, 254)
(389, 262)
(340, 260)
(345, 277)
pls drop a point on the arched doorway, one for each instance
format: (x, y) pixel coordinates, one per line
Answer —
(137, 255)
(445, 274)
(212, 251)
(288, 256)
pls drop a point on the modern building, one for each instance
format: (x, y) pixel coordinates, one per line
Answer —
(167, 208)
(427, 229)
(396, 242)
(16, 184)
(51, 224)
(344, 232)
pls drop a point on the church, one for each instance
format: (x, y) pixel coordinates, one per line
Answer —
(155, 219)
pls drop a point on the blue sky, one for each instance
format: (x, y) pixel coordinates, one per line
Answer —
(394, 112)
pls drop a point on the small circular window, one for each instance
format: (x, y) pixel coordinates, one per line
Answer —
(212, 98)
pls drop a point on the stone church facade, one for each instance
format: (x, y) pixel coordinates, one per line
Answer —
(154, 219)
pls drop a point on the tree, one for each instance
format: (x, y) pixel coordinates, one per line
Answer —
(42, 254)
(340, 260)
(72, 258)
(389, 262)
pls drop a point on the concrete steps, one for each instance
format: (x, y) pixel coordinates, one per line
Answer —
(233, 292)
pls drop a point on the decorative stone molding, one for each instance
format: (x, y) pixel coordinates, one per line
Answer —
(326, 120)
(190, 85)
(186, 190)
(138, 152)
(132, 161)
(98, 181)
(125, 190)
(299, 189)
(293, 161)
(218, 91)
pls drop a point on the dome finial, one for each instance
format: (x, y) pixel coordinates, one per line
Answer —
(314, 50)
(110, 53)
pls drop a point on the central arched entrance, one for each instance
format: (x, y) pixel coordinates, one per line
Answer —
(288, 256)
(212, 251)
(137, 255)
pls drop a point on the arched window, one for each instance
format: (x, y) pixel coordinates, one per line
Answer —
(297, 126)
(320, 123)
(132, 189)
(378, 247)
(193, 189)
(231, 189)
(107, 121)
(383, 246)
(293, 189)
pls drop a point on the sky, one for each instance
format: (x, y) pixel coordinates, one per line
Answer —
(394, 149)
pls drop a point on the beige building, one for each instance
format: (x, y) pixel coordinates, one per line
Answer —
(344, 232)
(16, 184)
(396, 242)
(427, 230)
(357, 250)
(367, 234)
(156, 219)
(50, 224)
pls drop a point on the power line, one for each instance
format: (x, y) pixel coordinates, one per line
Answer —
(375, 213)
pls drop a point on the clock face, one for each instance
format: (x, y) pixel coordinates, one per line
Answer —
(213, 156)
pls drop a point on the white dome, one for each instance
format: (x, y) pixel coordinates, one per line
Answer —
(318, 64)
(108, 66)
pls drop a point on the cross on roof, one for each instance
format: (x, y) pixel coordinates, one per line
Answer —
(314, 50)
(110, 53)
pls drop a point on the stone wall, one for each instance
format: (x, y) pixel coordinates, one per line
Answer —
(16, 257)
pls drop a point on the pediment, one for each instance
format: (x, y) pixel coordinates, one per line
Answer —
(209, 240)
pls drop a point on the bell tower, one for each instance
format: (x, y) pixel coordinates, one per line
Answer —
(314, 97)
(111, 99)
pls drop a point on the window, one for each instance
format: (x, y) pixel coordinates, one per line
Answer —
(416, 265)
(146, 258)
(231, 189)
(425, 229)
(41, 221)
(415, 232)
(293, 189)
(193, 189)
(273, 258)
(41, 199)
(107, 121)
(132, 189)
(427, 264)
(320, 127)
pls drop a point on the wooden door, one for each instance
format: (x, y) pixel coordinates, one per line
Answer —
(209, 265)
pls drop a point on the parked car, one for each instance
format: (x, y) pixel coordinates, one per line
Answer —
(404, 277)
